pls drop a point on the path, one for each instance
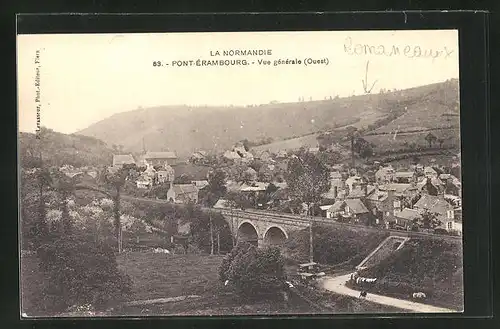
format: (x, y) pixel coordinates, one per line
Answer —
(337, 285)
(159, 300)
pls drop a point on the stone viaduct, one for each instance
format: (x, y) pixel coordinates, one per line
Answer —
(261, 228)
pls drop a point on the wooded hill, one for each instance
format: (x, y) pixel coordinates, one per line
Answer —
(58, 149)
(185, 129)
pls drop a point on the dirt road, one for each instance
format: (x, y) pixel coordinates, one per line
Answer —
(337, 285)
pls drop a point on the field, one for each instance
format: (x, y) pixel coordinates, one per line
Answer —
(401, 140)
(161, 276)
(288, 144)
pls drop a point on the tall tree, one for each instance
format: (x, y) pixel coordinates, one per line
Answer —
(430, 138)
(307, 178)
(65, 187)
(216, 187)
(116, 181)
(352, 135)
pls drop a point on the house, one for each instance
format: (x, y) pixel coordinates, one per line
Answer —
(160, 158)
(231, 156)
(360, 191)
(452, 185)
(243, 153)
(198, 156)
(453, 225)
(334, 210)
(200, 184)
(193, 171)
(280, 197)
(404, 177)
(353, 181)
(334, 193)
(325, 208)
(254, 187)
(399, 196)
(263, 155)
(348, 208)
(314, 150)
(141, 162)
(430, 172)
(381, 204)
(222, 204)
(401, 190)
(433, 183)
(406, 217)
(437, 205)
(144, 182)
(250, 174)
(281, 154)
(384, 175)
(338, 168)
(453, 199)
(183, 193)
(165, 175)
(122, 159)
(336, 179)
(93, 173)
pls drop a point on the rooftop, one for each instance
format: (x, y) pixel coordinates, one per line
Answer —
(121, 159)
(356, 206)
(160, 155)
(185, 188)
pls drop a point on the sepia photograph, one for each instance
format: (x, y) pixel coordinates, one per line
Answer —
(239, 173)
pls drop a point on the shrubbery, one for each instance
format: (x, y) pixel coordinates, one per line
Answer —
(80, 272)
(254, 272)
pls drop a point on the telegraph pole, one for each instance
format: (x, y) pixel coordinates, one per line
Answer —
(211, 233)
(311, 250)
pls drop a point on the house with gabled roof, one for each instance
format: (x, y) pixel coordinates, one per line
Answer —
(384, 175)
(437, 205)
(407, 217)
(160, 158)
(348, 209)
(183, 193)
(405, 177)
(430, 172)
(122, 159)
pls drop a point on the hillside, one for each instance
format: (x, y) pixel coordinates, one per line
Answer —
(429, 265)
(184, 129)
(333, 245)
(59, 149)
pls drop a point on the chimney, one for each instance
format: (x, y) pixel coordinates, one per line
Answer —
(365, 189)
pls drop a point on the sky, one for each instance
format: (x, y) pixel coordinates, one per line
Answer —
(85, 78)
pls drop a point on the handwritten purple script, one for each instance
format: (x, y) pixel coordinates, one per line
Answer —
(408, 51)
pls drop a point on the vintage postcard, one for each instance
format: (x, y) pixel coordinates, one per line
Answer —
(240, 173)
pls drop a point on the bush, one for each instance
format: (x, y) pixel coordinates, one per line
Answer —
(80, 272)
(254, 272)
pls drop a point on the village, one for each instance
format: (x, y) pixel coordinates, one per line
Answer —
(416, 197)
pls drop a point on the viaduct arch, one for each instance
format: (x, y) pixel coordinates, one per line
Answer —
(261, 229)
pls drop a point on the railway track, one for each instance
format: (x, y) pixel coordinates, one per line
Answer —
(303, 221)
